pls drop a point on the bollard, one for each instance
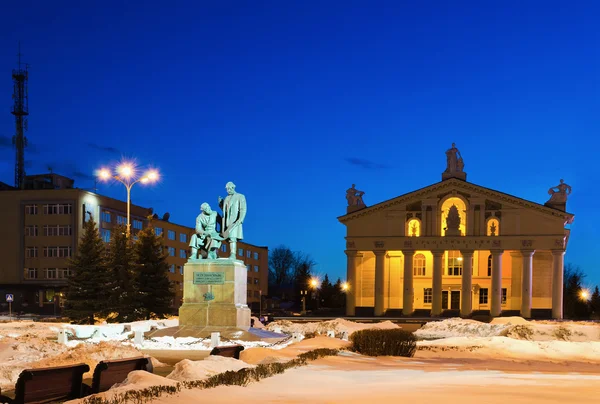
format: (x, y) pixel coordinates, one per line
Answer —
(138, 338)
(215, 339)
(277, 330)
(62, 337)
(331, 333)
(297, 336)
(345, 335)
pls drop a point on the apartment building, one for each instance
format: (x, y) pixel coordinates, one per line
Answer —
(42, 224)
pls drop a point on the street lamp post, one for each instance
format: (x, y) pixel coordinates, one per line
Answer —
(126, 175)
(303, 294)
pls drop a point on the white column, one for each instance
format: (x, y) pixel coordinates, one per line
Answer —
(527, 276)
(496, 306)
(436, 305)
(379, 281)
(558, 257)
(466, 303)
(408, 287)
(351, 277)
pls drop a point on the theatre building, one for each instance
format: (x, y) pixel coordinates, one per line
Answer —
(456, 246)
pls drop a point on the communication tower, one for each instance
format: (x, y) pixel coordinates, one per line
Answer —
(20, 110)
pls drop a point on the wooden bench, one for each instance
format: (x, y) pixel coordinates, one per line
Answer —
(45, 385)
(109, 373)
(231, 351)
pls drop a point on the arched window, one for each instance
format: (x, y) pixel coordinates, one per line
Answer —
(462, 209)
(414, 228)
(490, 265)
(493, 227)
(419, 265)
(455, 263)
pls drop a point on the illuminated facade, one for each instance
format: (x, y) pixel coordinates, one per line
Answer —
(457, 246)
(41, 226)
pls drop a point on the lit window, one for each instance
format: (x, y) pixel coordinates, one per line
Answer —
(414, 228)
(461, 207)
(427, 295)
(419, 263)
(455, 263)
(493, 227)
(483, 296)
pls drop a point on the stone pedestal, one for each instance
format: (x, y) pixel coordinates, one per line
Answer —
(214, 294)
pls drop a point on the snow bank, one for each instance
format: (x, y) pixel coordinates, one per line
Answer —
(457, 327)
(338, 326)
(188, 370)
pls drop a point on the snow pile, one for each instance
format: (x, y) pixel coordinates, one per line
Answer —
(457, 327)
(188, 370)
(338, 326)
(257, 323)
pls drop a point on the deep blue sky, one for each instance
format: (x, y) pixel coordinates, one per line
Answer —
(296, 100)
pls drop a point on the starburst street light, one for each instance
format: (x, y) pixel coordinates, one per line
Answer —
(584, 295)
(127, 174)
(345, 286)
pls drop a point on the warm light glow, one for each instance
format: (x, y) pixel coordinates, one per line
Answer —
(152, 175)
(414, 228)
(345, 286)
(104, 174)
(584, 294)
(459, 259)
(314, 282)
(126, 170)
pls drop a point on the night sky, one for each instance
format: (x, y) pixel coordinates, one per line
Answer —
(296, 100)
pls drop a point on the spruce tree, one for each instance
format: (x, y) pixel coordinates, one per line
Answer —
(326, 292)
(153, 283)
(87, 293)
(124, 300)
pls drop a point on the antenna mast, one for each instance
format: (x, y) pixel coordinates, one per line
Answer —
(20, 111)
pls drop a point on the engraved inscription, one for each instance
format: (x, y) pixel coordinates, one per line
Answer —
(350, 244)
(379, 244)
(408, 243)
(526, 243)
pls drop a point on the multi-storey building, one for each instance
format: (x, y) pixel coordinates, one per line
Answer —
(42, 224)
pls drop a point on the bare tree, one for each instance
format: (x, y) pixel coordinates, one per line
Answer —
(281, 265)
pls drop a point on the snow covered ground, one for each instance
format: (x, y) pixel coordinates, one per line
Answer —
(458, 360)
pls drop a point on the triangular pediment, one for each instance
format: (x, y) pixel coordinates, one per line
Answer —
(494, 200)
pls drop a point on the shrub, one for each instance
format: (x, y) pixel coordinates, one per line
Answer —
(384, 342)
(562, 332)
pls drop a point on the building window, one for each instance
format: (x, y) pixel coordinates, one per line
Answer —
(503, 301)
(483, 296)
(31, 231)
(493, 227)
(181, 269)
(58, 209)
(57, 252)
(105, 234)
(137, 224)
(31, 252)
(249, 267)
(419, 263)
(171, 235)
(51, 273)
(121, 220)
(414, 228)
(241, 252)
(248, 254)
(182, 253)
(224, 247)
(158, 231)
(249, 281)
(427, 295)
(64, 273)
(180, 285)
(490, 265)
(256, 281)
(461, 206)
(172, 268)
(256, 294)
(249, 294)
(255, 268)
(31, 209)
(58, 230)
(455, 263)
(172, 251)
(105, 216)
(183, 237)
(31, 273)
(255, 255)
